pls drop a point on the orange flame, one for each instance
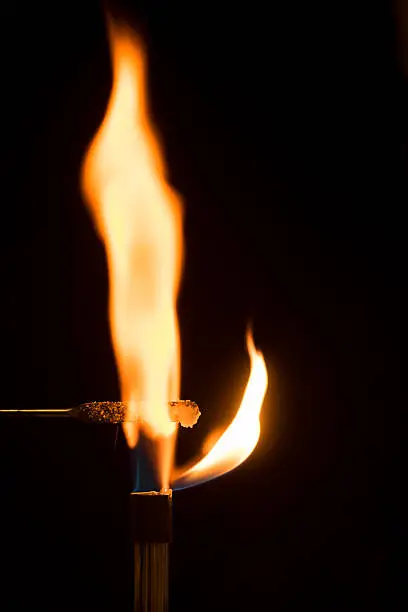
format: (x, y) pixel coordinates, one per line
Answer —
(138, 216)
(240, 438)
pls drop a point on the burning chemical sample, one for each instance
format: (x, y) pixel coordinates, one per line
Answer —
(184, 412)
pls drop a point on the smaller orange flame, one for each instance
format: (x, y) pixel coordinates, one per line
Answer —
(240, 438)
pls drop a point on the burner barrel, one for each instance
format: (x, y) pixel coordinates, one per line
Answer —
(151, 530)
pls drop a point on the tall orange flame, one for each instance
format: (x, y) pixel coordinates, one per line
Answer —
(138, 216)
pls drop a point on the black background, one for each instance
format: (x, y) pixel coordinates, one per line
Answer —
(284, 128)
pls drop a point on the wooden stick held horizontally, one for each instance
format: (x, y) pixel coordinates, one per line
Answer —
(184, 412)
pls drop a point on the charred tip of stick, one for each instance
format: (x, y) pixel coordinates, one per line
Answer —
(184, 412)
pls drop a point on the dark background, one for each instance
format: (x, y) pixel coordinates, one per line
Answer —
(285, 131)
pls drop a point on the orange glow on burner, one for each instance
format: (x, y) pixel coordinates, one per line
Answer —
(138, 217)
(240, 438)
